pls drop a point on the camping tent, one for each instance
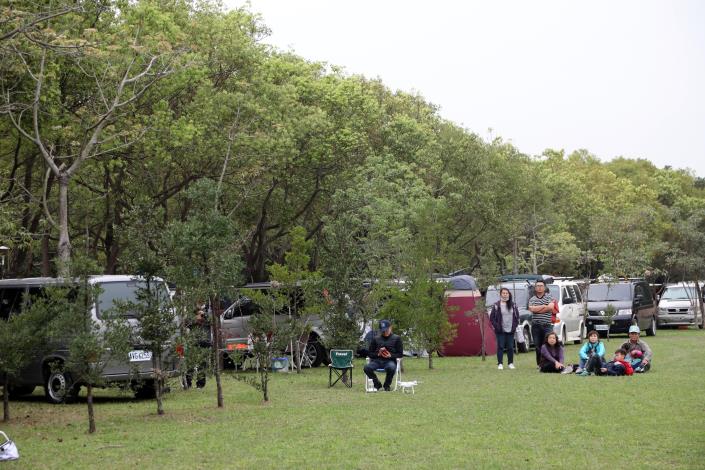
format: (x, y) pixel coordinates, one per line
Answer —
(462, 298)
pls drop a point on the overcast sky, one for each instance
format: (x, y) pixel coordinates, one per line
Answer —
(619, 78)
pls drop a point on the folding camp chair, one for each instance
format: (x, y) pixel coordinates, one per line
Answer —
(340, 363)
(370, 386)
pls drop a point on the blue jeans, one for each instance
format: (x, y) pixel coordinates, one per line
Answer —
(505, 342)
(389, 366)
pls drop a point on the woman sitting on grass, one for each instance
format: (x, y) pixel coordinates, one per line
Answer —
(552, 354)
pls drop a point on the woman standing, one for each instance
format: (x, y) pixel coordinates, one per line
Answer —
(504, 318)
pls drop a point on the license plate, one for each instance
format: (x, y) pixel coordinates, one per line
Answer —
(140, 355)
(602, 327)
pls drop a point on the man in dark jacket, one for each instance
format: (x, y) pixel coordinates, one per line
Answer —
(383, 354)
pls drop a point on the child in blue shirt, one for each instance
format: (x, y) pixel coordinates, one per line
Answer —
(591, 354)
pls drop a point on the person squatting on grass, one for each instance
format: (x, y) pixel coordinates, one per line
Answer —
(541, 307)
(618, 365)
(640, 362)
(385, 349)
(504, 318)
(551, 354)
(591, 354)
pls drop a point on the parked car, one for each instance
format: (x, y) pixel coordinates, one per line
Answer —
(571, 316)
(47, 369)
(235, 332)
(632, 301)
(680, 305)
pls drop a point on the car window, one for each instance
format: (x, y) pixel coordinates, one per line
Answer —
(570, 293)
(519, 295)
(115, 295)
(679, 293)
(578, 293)
(564, 294)
(610, 292)
(554, 290)
(639, 291)
(10, 301)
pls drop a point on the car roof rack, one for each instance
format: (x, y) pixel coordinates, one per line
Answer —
(527, 277)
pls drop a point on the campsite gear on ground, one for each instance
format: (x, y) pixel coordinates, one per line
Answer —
(340, 363)
(8, 449)
(280, 364)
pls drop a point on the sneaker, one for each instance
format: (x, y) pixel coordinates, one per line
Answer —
(567, 370)
(387, 389)
(578, 370)
(584, 373)
(500, 367)
(511, 365)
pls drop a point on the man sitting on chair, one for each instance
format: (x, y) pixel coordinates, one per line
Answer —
(383, 354)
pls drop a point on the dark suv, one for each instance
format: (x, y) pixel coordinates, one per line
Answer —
(633, 304)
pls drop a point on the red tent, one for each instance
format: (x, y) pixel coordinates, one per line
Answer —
(468, 340)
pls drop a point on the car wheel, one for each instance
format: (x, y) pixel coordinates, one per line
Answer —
(581, 336)
(564, 335)
(315, 352)
(651, 330)
(59, 387)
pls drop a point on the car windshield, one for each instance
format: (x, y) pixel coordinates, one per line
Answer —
(679, 293)
(113, 294)
(519, 295)
(609, 292)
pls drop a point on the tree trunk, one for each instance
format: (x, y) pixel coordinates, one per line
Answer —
(265, 383)
(158, 381)
(64, 248)
(430, 359)
(6, 399)
(215, 328)
(701, 304)
(91, 414)
(299, 357)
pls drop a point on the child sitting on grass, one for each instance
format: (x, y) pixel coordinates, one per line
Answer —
(591, 354)
(618, 365)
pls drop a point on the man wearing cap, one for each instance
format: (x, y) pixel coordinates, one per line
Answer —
(636, 344)
(383, 354)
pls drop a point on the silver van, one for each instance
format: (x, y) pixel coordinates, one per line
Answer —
(235, 332)
(46, 369)
(679, 305)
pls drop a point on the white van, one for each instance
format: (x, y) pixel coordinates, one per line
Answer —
(571, 316)
(46, 369)
(680, 305)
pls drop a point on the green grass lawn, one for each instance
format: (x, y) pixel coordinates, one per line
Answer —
(465, 414)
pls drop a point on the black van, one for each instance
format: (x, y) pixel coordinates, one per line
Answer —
(633, 304)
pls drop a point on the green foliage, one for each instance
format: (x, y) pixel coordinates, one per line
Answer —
(418, 309)
(251, 142)
(22, 338)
